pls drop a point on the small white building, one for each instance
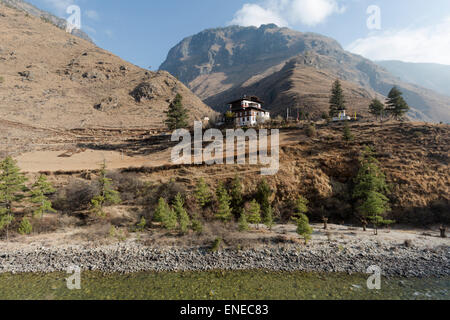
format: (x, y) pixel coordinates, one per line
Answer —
(342, 117)
(248, 112)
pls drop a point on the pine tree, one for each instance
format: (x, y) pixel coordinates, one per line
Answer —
(197, 225)
(161, 211)
(177, 114)
(376, 108)
(39, 192)
(202, 193)
(25, 227)
(182, 215)
(11, 190)
(396, 105)
(254, 213)
(243, 222)
(375, 208)
(268, 218)
(108, 196)
(301, 208)
(347, 134)
(236, 197)
(303, 227)
(170, 221)
(337, 100)
(224, 212)
(142, 224)
(370, 191)
(263, 194)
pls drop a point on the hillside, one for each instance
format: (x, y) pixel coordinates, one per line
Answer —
(51, 81)
(32, 10)
(414, 157)
(218, 64)
(428, 75)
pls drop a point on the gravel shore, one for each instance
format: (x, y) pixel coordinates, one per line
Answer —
(129, 257)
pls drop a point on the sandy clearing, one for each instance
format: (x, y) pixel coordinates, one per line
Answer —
(88, 160)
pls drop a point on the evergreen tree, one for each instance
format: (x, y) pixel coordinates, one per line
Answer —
(263, 194)
(11, 190)
(303, 227)
(197, 225)
(170, 221)
(142, 224)
(161, 212)
(25, 227)
(177, 117)
(224, 212)
(301, 208)
(347, 135)
(268, 218)
(243, 222)
(337, 100)
(370, 190)
(39, 192)
(376, 108)
(182, 215)
(108, 196)
(254, 213)
(236, 197)
(396, 105)
(375, 208)
(202, 193)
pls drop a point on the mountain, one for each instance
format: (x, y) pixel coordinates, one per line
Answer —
(428, 75)
(288, 69)
(53, 80)
(45, 16)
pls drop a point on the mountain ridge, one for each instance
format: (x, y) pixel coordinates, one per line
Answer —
(51, 79)
(433, 76)
(217, 64)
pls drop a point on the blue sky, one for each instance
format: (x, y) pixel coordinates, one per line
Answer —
(143, 31)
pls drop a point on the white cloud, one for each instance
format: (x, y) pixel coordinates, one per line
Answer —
(255, 15)
(424, 44)
(286, 12)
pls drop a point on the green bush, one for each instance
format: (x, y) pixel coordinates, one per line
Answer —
(216, 244)
(1, 79)
(25, 227)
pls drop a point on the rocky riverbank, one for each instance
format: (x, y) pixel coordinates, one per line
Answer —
(127, 257)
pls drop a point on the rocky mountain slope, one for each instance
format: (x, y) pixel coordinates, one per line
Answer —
(428, 75)
(50, 79)
(287, 69)
(45, 16)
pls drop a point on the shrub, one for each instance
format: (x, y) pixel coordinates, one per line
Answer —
(1, 79)
(310, 130)
(216, 244)
(142, 224)
(74, 197)
(129, 185)
(25, 227)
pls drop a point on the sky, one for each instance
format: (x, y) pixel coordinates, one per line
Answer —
(143, 31)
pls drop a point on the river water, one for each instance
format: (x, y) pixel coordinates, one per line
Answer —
(219, 285)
